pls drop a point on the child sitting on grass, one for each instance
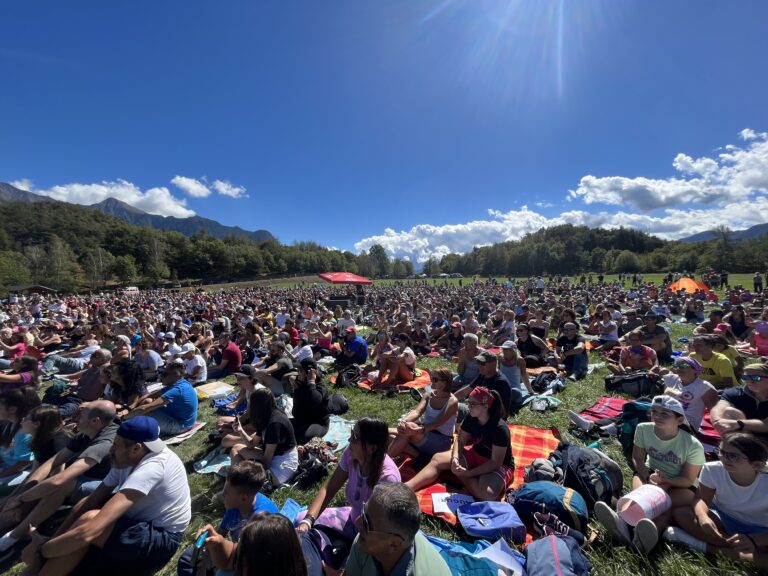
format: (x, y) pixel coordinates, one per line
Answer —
(242, 500)
(730, 513)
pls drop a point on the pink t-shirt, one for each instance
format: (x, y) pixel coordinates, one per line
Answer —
(358, 492)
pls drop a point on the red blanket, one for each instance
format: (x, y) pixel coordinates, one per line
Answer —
(605, 407)
(527, 444)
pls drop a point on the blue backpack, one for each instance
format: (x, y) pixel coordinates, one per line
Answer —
(556, 555)
(543, 496)
(491, 520)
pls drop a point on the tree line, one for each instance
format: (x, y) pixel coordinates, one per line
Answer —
(70, 247)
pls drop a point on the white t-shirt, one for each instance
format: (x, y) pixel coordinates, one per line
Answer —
(190, 365)
(748, 504)
(300, 353)
(162, 479)
(613, 331)
(690, 397)
(280, 319)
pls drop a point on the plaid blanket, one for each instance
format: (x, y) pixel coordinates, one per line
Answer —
(527, 444)
(605, 407)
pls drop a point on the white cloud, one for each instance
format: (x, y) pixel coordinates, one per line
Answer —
(730, 189)
(153, 200)
(194, 188)
(226, 188)
(544, 204)
(732, 176)
(23, 184)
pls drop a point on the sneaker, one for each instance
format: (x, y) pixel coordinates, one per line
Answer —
(580, 421)
(546, 523)
(616, 527)
(610, 430)
(680, 536)
(646, 536)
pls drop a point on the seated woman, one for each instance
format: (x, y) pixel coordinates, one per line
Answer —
(310, 404)
(321, 334)
(380, 354)
(607, 331)
(402, 366)
(729, 514)
(538, 325)
(531, 348)
(428, 428)
(14, 349)
(245, 378)
(251, 341)
(49, 436)
(364, 464)
(514, 369)
(449, 344)
(482, 458)
(273, 443)
(506, 330)
(148, 360)
(24, 372)
(665, 454)
(741, 324)
(634, 356)
(16, 454)
(126, 386)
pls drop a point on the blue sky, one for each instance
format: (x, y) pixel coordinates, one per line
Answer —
(427, 126)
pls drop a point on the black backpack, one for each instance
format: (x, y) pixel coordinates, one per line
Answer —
(589, 472)
(349, 376)
(636, 384)
(337, 404)
(542, 381)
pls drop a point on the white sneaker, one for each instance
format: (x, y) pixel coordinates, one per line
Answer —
(616, 527)
(680, 536)
(610, 429)
(646, 536)
(580, 421)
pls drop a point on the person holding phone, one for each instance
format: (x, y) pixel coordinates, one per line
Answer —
(310, 397)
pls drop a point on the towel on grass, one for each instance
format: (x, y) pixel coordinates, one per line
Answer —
(179, 438)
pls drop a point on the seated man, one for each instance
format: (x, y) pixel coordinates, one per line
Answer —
(176, 408)
(77, 470)
(389, 540)
(229, 358)
(135, 519)
(716, 368)
(242, 500)
(745, 408)
(71, 362)
(571, 351)
(354, 349)
(87, 388)
(656, 337)
(708, 326)
(490, 378)
(273, 368)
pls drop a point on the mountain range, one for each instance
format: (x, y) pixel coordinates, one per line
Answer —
(753, 232)
(187, 226)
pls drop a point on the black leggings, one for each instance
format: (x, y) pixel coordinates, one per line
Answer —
(305, 431)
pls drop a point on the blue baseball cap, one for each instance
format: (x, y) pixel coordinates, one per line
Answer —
(142, 429)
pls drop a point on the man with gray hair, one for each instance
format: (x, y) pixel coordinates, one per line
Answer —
(389, 541)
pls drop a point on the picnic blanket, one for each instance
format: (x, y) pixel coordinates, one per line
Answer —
(420, 380)
(214, 390)
(707, 433)
(537, 371)
(605, 407)
(213, 462)
(338, 432)
(528, 443)
(179, 438)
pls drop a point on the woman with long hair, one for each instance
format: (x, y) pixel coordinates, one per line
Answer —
(482, 456)
(364, 464)
(15, 444)
(269, 546)
(126, 386)
(24, 372)
(49, 436)
(273, 443)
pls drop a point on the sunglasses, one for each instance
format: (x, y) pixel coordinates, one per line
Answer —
(732, 456)
(753, 377)
(368, 527)
(681, 365)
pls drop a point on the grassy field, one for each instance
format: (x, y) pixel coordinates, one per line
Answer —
(608, 559)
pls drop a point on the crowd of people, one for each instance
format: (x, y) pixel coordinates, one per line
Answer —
(124, 369)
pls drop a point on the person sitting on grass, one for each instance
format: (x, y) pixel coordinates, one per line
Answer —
(741, 324)
(720, 344)
(634, 356)
(381, 355)
(176, 408)
(310, 417)
(684, 382)
(273, 367)
(665, 454)
(402, 366)
(363, 465)
(730, 511)
(716, 368)
(532, 349)
(273, 443)
(482, 457)
(126, 387)
(514, 369)
(607, 331)
(745, 408)
(133, 522)
(242, 501)
(571, 351)
(24, 372)
(389, 540)
(450, 343)
(428, 428)
(468, 368)
(354, 348)
(16, 454)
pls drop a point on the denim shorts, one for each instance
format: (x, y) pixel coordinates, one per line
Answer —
(133, 545)
(735, 526)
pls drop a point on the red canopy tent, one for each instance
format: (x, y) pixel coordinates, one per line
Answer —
(689, 285)
(344, 278)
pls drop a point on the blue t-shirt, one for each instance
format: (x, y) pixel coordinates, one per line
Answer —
(359, 349)
(182, 403)
(233, 521)
(17, 451)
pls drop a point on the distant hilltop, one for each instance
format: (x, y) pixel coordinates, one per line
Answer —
(754, 232)
(119, 209)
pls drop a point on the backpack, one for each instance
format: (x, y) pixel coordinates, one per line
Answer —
(309, 473)
(543, 380)
(491, 520)
(632, 414)
(555, 554)
(542, 496)
(337, 404)
(349, 376)
(590, 472)
(636, 384)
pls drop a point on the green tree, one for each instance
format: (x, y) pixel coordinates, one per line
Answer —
(380, 261)
(626, 261)
(124, 267)
(13, 269)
